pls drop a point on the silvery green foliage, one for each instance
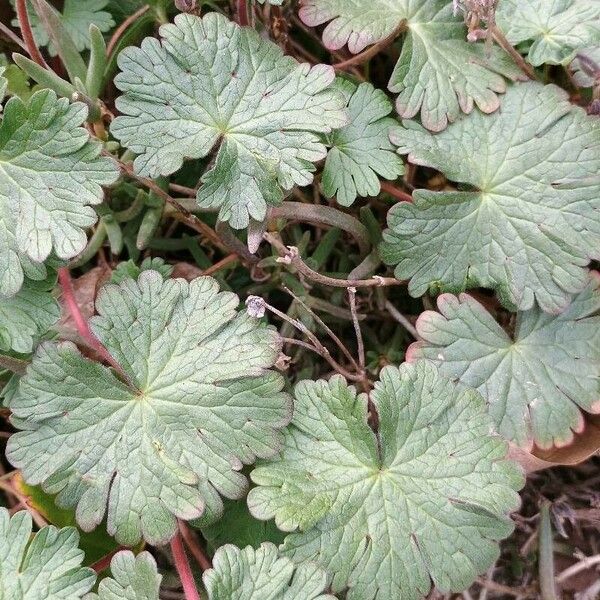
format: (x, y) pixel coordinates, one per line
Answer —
(199, 405)
(557, 28)
(212, 82)
(424, 500)
(50, 175)
(45, 567)
(262, 574)
(537, 381)
(26, 316)
(528, 221)
(439, 74)
(76, 17)
(129, 269)
(132, 578)
(361, 151)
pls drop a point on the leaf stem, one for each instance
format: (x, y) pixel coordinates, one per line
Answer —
(116, 36)
(324, 215)
(9, 33)
(392, 190)
(398, 316)
(192, 543)
(369, 53)
(242, 13)
(358, 332)
(183, 568)
(501, 40)
(290, 256)
(546, 559)
(15, 365)
(27, 32)
(83, 328)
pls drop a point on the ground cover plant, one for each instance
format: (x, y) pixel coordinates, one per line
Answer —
(299, 299)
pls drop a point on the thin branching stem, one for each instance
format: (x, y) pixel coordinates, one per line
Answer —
(13, 37)
(359, 338)
(393, 191)
(290, 256)
(398, 316)
(501, 40)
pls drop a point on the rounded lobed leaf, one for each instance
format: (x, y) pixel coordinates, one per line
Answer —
(439, 74)
(50, 175)
(424, 500)
(251, 574)
(45, 567)
(132, 578)
(199, 404)
(212, 82)
(26, 316)
(557, 29)
(361, 151)
(537, 381)
(529, 221)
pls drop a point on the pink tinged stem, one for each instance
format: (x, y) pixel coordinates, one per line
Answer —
(242, 12)
(83, 328)
(183, 568)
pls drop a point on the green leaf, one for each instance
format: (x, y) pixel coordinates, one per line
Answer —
(251, 574)
(361, 151)
(557, 28)
(238, 527)
(76, 17)
(212, 82)
(201, 403)
(95, 545)
(45, 567)
(439, 73)
(50, 174)
(129, 270)
(528, 221)
(26, 316)
(537, 381)
(132, 578)
(387, 514)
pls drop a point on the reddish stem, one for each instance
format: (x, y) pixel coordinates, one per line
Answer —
(123, 27)
(27, 33)
(183, 568)
(242, 13)
(388, 188)
(104, 562)
(83, 328)
(192, 543)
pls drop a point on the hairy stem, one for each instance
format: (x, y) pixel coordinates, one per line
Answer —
(27, 33)
(546, 559)
(183, 568)
(243, 17)
(194, 547)
(13, 36)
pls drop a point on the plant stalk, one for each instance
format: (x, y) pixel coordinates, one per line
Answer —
(183, 568)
